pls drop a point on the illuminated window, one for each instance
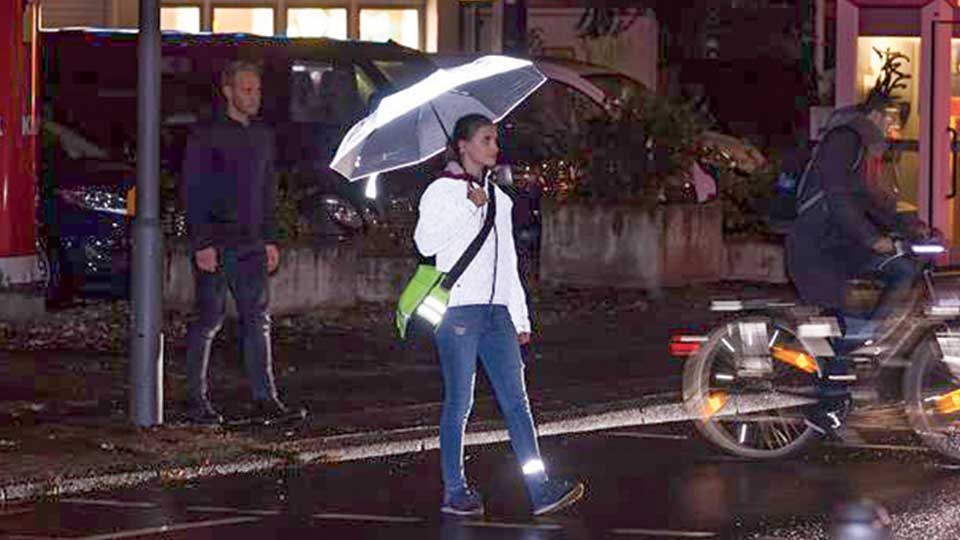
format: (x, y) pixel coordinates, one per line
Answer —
(903, 115)
(869, 68)
(182, 19)
(400, 25)
(249, 20)
(317, 22)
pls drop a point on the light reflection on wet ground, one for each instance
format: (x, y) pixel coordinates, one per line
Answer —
(639, 486)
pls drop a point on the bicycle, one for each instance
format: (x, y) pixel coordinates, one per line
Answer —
(747, 383)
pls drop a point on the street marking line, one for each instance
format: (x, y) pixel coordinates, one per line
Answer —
(107, 502)
(498, 525)
(225, 510)
(17, 512)
(638, 435)
(170, 528)
(903, 448)
(663, 533)
(368, 517)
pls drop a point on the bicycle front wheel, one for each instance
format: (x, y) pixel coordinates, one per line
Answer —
(932, 393)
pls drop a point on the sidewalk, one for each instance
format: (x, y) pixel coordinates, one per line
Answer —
(600, 360)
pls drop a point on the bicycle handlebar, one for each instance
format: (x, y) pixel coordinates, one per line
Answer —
(903, 247)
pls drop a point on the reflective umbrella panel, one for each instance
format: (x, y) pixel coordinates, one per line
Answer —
(413, 125)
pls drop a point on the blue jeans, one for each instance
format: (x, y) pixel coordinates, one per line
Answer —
(898, 277)
(244, 271)
(488, 332)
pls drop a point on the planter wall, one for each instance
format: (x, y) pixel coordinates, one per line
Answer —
(308, 277)
(615, 245)
(583, 245)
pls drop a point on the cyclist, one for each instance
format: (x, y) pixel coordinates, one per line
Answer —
(847, 215)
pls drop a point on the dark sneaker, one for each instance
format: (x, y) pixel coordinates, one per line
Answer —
(203, 414)
(555, 495)
(462, 502)
(827, 416)
(273, 410)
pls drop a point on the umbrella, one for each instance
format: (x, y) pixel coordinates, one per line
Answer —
(413, 125)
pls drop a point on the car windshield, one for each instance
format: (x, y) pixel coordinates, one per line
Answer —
(402, 73)
(72, 143)
(332, 94)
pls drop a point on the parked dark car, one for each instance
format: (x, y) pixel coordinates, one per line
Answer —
(84, 218)
(314, 91)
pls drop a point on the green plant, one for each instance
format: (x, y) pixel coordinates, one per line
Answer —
(290, 226)
(649, 142)
(745, 198)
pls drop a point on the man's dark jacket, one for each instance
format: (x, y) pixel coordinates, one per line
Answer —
(229, 185)
(831, 243)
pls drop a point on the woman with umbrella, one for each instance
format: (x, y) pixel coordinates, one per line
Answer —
(486, 317)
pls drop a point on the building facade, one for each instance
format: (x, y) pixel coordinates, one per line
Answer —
(414, 23)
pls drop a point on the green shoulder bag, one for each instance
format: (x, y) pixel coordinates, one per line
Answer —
(428, 291)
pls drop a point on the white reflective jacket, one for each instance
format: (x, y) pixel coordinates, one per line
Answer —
(448, 222)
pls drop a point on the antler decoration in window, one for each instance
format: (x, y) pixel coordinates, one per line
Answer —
(890, 78)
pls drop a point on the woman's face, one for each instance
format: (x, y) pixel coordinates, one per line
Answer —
(482, 148)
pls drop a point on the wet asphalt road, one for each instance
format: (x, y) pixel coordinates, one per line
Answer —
(650, 483)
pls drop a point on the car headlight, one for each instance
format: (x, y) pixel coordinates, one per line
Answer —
(96, 199)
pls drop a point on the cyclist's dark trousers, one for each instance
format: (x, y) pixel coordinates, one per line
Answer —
(898, 277)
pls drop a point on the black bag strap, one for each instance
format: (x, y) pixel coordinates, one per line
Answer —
(803, 206)
(468, 255)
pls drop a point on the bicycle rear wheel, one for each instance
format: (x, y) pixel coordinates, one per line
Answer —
(747, 387)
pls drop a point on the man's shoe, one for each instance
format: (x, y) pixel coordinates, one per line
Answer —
(203, 414)
(462, 502)
(555, 495)
(273, 410)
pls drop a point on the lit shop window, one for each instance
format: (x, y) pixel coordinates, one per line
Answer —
(904, 117)
(181, 19)
(317, 22)
(248, 20)
(400, 25)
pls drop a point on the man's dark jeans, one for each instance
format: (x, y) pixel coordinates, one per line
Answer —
(244, 271)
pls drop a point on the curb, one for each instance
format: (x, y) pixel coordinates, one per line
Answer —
(374, 444)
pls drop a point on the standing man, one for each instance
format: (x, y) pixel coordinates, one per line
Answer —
(230, 191)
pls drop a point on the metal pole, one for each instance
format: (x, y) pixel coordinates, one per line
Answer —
(146, 341)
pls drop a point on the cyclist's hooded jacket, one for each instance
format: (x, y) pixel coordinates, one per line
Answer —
(830, 243)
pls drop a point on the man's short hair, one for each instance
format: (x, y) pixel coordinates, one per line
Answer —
(229, 73)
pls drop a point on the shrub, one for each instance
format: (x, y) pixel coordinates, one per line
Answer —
(644, 146)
